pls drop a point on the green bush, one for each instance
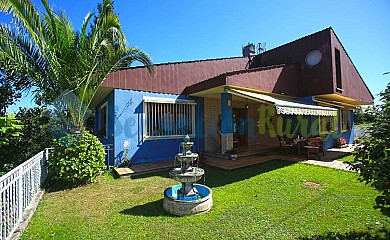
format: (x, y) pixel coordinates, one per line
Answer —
(372, 158)
(76, 159)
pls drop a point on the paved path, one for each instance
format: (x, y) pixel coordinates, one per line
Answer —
(332, 164)
(329, 161)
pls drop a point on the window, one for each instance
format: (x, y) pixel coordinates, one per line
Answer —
(103, 120)
(345, 119)
(328, 124)
(168, 117)
(339, 85)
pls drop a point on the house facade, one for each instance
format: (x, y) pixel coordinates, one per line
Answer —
(308, 87)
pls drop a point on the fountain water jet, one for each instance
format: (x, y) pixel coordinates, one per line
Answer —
(188, 198)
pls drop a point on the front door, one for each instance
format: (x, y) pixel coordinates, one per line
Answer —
(240, 130)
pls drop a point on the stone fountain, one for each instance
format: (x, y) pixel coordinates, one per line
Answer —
(188, 198)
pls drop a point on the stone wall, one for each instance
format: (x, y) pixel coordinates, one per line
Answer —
(253, 121)
(212, 111)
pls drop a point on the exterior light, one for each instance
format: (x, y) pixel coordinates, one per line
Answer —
(126, 144)
(186, 138)
(127, 160)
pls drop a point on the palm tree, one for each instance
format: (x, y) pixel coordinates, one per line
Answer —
(61, 62)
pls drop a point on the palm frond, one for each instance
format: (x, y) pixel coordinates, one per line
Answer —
(57, 58)
(25, 16)
(135, 54)
(84, 27)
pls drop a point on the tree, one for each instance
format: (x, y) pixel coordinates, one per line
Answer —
(358, 117)
(11, 87)
(9, 127)
(372, 158)
(32, 135)
(59, 60)
(367, 115)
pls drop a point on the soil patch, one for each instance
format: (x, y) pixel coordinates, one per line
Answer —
(312, 184)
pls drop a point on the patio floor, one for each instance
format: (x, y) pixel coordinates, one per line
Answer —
(329, 160)
(144, 168)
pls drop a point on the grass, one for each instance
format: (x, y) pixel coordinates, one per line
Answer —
(364, 125)
(265, 201)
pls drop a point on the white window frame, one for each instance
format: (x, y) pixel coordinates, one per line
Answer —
(334, 124)
(100, 113)
(147, 100)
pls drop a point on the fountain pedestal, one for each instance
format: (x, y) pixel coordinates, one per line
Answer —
(187, 198)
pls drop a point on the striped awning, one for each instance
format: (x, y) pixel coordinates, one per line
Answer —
(287, 107)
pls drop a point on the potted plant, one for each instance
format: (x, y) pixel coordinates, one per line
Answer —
(232, 154)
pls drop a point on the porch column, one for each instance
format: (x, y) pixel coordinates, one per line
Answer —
(226, 122)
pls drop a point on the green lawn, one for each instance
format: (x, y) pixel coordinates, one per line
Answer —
(364, 125)
(266, 201)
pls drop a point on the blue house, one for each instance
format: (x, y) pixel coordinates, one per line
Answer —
(308, 87)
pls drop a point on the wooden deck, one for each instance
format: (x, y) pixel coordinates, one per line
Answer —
(144, 168)
(220, 162)
(246, 161)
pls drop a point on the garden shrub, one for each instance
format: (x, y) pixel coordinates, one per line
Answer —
(372, 157)
(76, 159)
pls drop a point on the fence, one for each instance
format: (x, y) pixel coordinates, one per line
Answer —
(109, 149)
(18, 188)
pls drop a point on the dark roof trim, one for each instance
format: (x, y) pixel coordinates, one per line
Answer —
(334, 33)
(296, 40)
(206, 84)
(183, 62)
(221, 79)
(258, 69)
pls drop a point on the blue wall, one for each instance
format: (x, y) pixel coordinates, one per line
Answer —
(110, 131)
(331, 139)
(128, 125)
(109, 139)
(227, 113)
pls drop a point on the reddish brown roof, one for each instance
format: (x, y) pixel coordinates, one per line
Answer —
(319, 79)
(173, 77)
(294, 78)
(276, 79)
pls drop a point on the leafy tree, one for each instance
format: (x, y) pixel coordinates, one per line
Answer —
(11, 87)
(59, 60)
(367, 115)
(9, 127)
(33, 135)
(358, 117)
(370, 114)
(372, 158)
(36, 130)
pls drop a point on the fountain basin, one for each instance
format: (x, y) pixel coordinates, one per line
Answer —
(200, 203)
(191, 176)
(187, 157)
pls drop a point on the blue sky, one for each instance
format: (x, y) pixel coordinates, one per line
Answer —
(172, 30)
